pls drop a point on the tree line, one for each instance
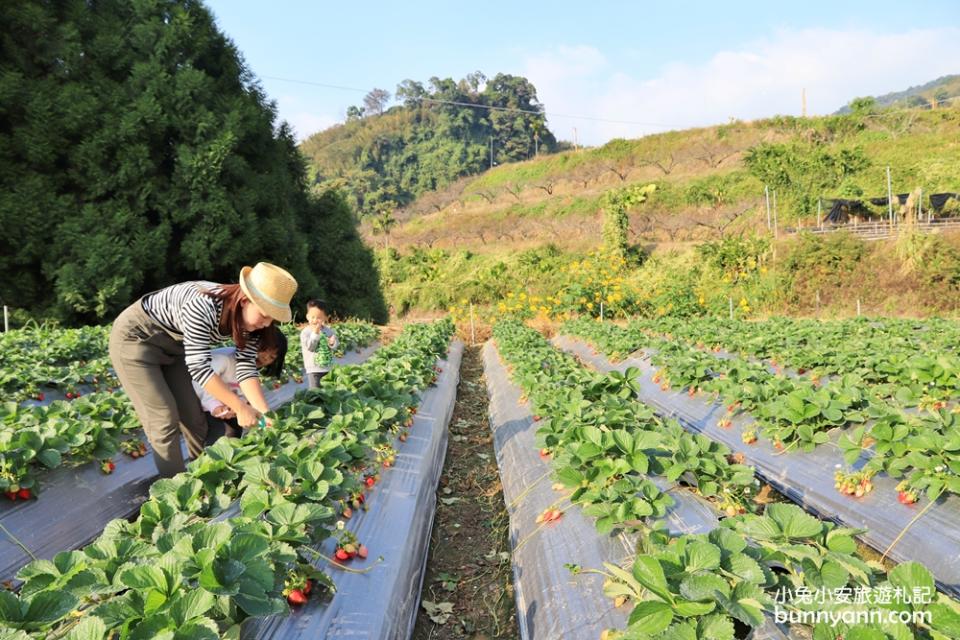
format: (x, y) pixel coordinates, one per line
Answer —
(137, 150)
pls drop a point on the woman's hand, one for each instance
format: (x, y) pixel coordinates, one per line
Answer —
(247, 416)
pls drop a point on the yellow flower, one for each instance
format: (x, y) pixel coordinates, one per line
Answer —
(589, 305)
(523, 295)
(510, 294)
(763, 269)
(463, 301)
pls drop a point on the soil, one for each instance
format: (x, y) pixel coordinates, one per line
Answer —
(469, 564)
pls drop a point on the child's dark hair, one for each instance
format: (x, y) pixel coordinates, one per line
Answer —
(273, 339)
(316, 303)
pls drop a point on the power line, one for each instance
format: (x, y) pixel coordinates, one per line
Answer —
(547, 114)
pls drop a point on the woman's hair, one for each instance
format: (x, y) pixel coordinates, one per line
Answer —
(272, 339)
(231, 321)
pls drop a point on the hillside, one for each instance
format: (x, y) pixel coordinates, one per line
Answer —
(933, 93)
(709, 181)
(519, 228)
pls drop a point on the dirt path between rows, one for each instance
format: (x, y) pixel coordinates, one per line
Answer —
(468, 589)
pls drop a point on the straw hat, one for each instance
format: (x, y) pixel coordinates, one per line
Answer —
(270, 288)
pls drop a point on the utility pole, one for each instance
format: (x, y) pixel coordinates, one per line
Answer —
(804, 102)
(889, 195)
(576, 145)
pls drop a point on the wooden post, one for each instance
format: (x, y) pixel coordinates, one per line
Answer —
(858, 307)
(774, 214)
(731, 307)
(601, 311)
(766, 191)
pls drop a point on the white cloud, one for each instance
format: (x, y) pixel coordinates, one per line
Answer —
(305, 122)
(758, 79)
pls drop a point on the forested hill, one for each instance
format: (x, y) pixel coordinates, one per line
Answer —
(383, 158)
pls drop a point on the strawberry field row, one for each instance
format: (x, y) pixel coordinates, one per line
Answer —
(175, 572)
(713, 586)
(912, 361)
(922, 448)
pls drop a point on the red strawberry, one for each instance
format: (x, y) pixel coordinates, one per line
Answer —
(536, 418)
(342, 555)
(69, 395)
(297, 597)
(276, 385)
(40, 397)
(24, 494)
(362, 551)
(370, 481)
(403, 437)
(347, 512)
(544, 453)
(308, 586)
(12, 495)
(107, 467)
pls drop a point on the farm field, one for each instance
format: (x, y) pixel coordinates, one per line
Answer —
(664, 478)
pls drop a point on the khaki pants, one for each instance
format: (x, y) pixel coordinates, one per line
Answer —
(150, 365)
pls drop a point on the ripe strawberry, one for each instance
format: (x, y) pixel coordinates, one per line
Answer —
(69, 395)
(362, 551)
(107, 466)
(11, 495)
(297, 597)
(40, 397)
(276, 385)
(544, 453)
(342, 554)
(370, 481)
(537, 418)
(347, 512)
(308, 586)
(906, 497)
(24, 494)
(778, 445)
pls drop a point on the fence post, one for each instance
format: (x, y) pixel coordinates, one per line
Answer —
(601, 311)
(774, 214)
(766, 191)
(731, 307)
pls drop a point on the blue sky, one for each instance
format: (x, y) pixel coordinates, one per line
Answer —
(627, 68)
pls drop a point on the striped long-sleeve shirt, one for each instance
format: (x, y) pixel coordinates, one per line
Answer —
(184, 310)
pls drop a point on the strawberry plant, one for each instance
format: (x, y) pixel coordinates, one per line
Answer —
(231, 537)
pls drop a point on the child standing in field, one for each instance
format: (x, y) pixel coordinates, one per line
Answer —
(318, 342)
